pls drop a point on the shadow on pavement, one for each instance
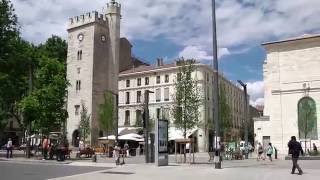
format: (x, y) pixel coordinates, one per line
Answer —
(118, 173)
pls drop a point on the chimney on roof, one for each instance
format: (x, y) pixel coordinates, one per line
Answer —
(159, 62)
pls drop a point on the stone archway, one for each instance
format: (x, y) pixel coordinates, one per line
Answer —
(307, 119)
(75, 138)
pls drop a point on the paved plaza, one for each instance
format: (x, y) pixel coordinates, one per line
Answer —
(240, 170)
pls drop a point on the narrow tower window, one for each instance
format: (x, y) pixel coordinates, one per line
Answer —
(79, 56)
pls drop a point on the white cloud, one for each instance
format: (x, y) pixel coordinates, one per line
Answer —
(256, 92)
(186, 23)
(197, 52)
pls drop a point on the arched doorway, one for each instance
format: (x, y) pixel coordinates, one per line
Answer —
(75, 138)
(307, 119)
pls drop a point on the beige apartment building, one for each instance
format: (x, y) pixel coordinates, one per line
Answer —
(160, 79)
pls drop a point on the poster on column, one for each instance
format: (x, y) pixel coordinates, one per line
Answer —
(162, 140)
(163, 136)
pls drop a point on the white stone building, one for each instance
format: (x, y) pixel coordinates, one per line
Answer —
(92, 65)
(161, 79)
(292, 80)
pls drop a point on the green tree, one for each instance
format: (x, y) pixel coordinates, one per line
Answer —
(224, 113)
(307, 119)
(84, 125)
(187, 98)
(15, 58)
(107, 113)
(48, 96)
(55, 47)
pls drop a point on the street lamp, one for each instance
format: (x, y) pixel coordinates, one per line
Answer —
(215, 88)
(146, 124)
(245, 117)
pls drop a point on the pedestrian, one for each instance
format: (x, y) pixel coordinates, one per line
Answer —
(315, 149)
(126, 149)
(9, 148)
(295, 149)
(260, 151)
(81, 145)
(116, 153)
(187, 147)
(45, 147)
(269, 151)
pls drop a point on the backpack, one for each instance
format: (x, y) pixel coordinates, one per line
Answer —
(270, 150)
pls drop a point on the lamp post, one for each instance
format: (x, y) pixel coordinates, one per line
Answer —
(215, 88)
(245, 117)
(146, 124)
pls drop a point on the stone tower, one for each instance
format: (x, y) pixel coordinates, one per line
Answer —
(92, 66)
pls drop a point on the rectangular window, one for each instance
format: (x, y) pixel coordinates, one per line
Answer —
(166, 94)
(128, 83)
(208, 93)
(146, 80)
(139, 120)
(158, 95)
(127, 97)
(76, 109)
(127, 118)
(207, 77)
(158, 113)
(138, 96)
(139, 82)
(158, 79)
(166, 78)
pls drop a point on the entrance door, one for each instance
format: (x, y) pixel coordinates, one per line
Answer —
(265, 141)
(75, 138)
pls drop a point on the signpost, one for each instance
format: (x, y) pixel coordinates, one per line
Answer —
(162, 158)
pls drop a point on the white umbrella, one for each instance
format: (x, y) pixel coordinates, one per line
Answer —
(131, 136)
(111, 137)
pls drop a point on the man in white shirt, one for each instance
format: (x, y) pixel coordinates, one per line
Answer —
(9, 148)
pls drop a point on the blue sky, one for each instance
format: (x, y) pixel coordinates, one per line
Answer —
(175, 28)
(246, 66)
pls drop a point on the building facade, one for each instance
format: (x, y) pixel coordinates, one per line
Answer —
(160, 79)
(93, 65)
(292, 93)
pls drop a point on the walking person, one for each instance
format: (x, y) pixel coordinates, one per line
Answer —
(45, 147)
(260, 151)
(295, 149)
(9, 148)
(269, 151)
(116, 154)
(315, 149)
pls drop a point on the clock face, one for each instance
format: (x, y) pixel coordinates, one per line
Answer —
(80, 37)
(103, 38)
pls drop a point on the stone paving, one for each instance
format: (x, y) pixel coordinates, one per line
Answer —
(240, 170)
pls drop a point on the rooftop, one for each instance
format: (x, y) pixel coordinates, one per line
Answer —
(303, 37)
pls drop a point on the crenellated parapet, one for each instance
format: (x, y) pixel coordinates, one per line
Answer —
(86, 18)
(113, 7)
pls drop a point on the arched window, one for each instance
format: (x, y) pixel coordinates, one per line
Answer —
(75, 138)
(307, 119)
